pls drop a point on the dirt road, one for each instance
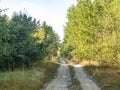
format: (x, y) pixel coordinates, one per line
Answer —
(86, 83)
(62, 80)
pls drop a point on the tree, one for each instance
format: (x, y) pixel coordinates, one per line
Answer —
(93, 31)
(5, 48)
(50, 40)
(23, 44)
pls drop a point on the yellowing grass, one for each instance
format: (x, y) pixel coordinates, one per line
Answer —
(89, 62)
(21, 80)
(107, 77)
(32, 79)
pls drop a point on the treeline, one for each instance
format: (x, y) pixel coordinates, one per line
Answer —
(93, 32)
(23, 41)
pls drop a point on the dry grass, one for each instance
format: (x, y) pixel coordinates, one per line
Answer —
(87, 62)
(107, 77)
(21, 80)
(32, 79)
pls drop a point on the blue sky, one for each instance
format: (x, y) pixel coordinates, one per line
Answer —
(51, 11)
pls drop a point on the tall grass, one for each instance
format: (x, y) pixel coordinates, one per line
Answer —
(31, 79)
(106, 76)
(21, 80)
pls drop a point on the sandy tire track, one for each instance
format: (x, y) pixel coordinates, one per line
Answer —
(62, 81)
(86, 82)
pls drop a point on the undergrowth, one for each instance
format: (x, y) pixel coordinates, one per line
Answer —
(30, 79)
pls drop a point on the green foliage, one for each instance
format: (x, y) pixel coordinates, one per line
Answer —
(23, 41)
(50, 40)
(23, 45)
(5, 48)
(93, 31)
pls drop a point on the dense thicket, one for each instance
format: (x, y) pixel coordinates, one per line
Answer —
(23, 41)
(93, 31)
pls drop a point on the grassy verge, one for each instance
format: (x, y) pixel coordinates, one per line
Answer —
(75, 83)
(108, 78)
(32, 79)
(21, 80)
(50, 73)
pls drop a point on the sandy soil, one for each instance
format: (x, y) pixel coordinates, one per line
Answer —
(62, 81)
(86, 82)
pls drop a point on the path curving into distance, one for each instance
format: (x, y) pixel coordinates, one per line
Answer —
(63, 79)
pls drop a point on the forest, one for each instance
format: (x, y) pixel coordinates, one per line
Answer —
(31, 52)
(92, 38)
(28, 52)
(23, 41)
(93, 32)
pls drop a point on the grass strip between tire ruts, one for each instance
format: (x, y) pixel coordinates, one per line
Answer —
(75, 83)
